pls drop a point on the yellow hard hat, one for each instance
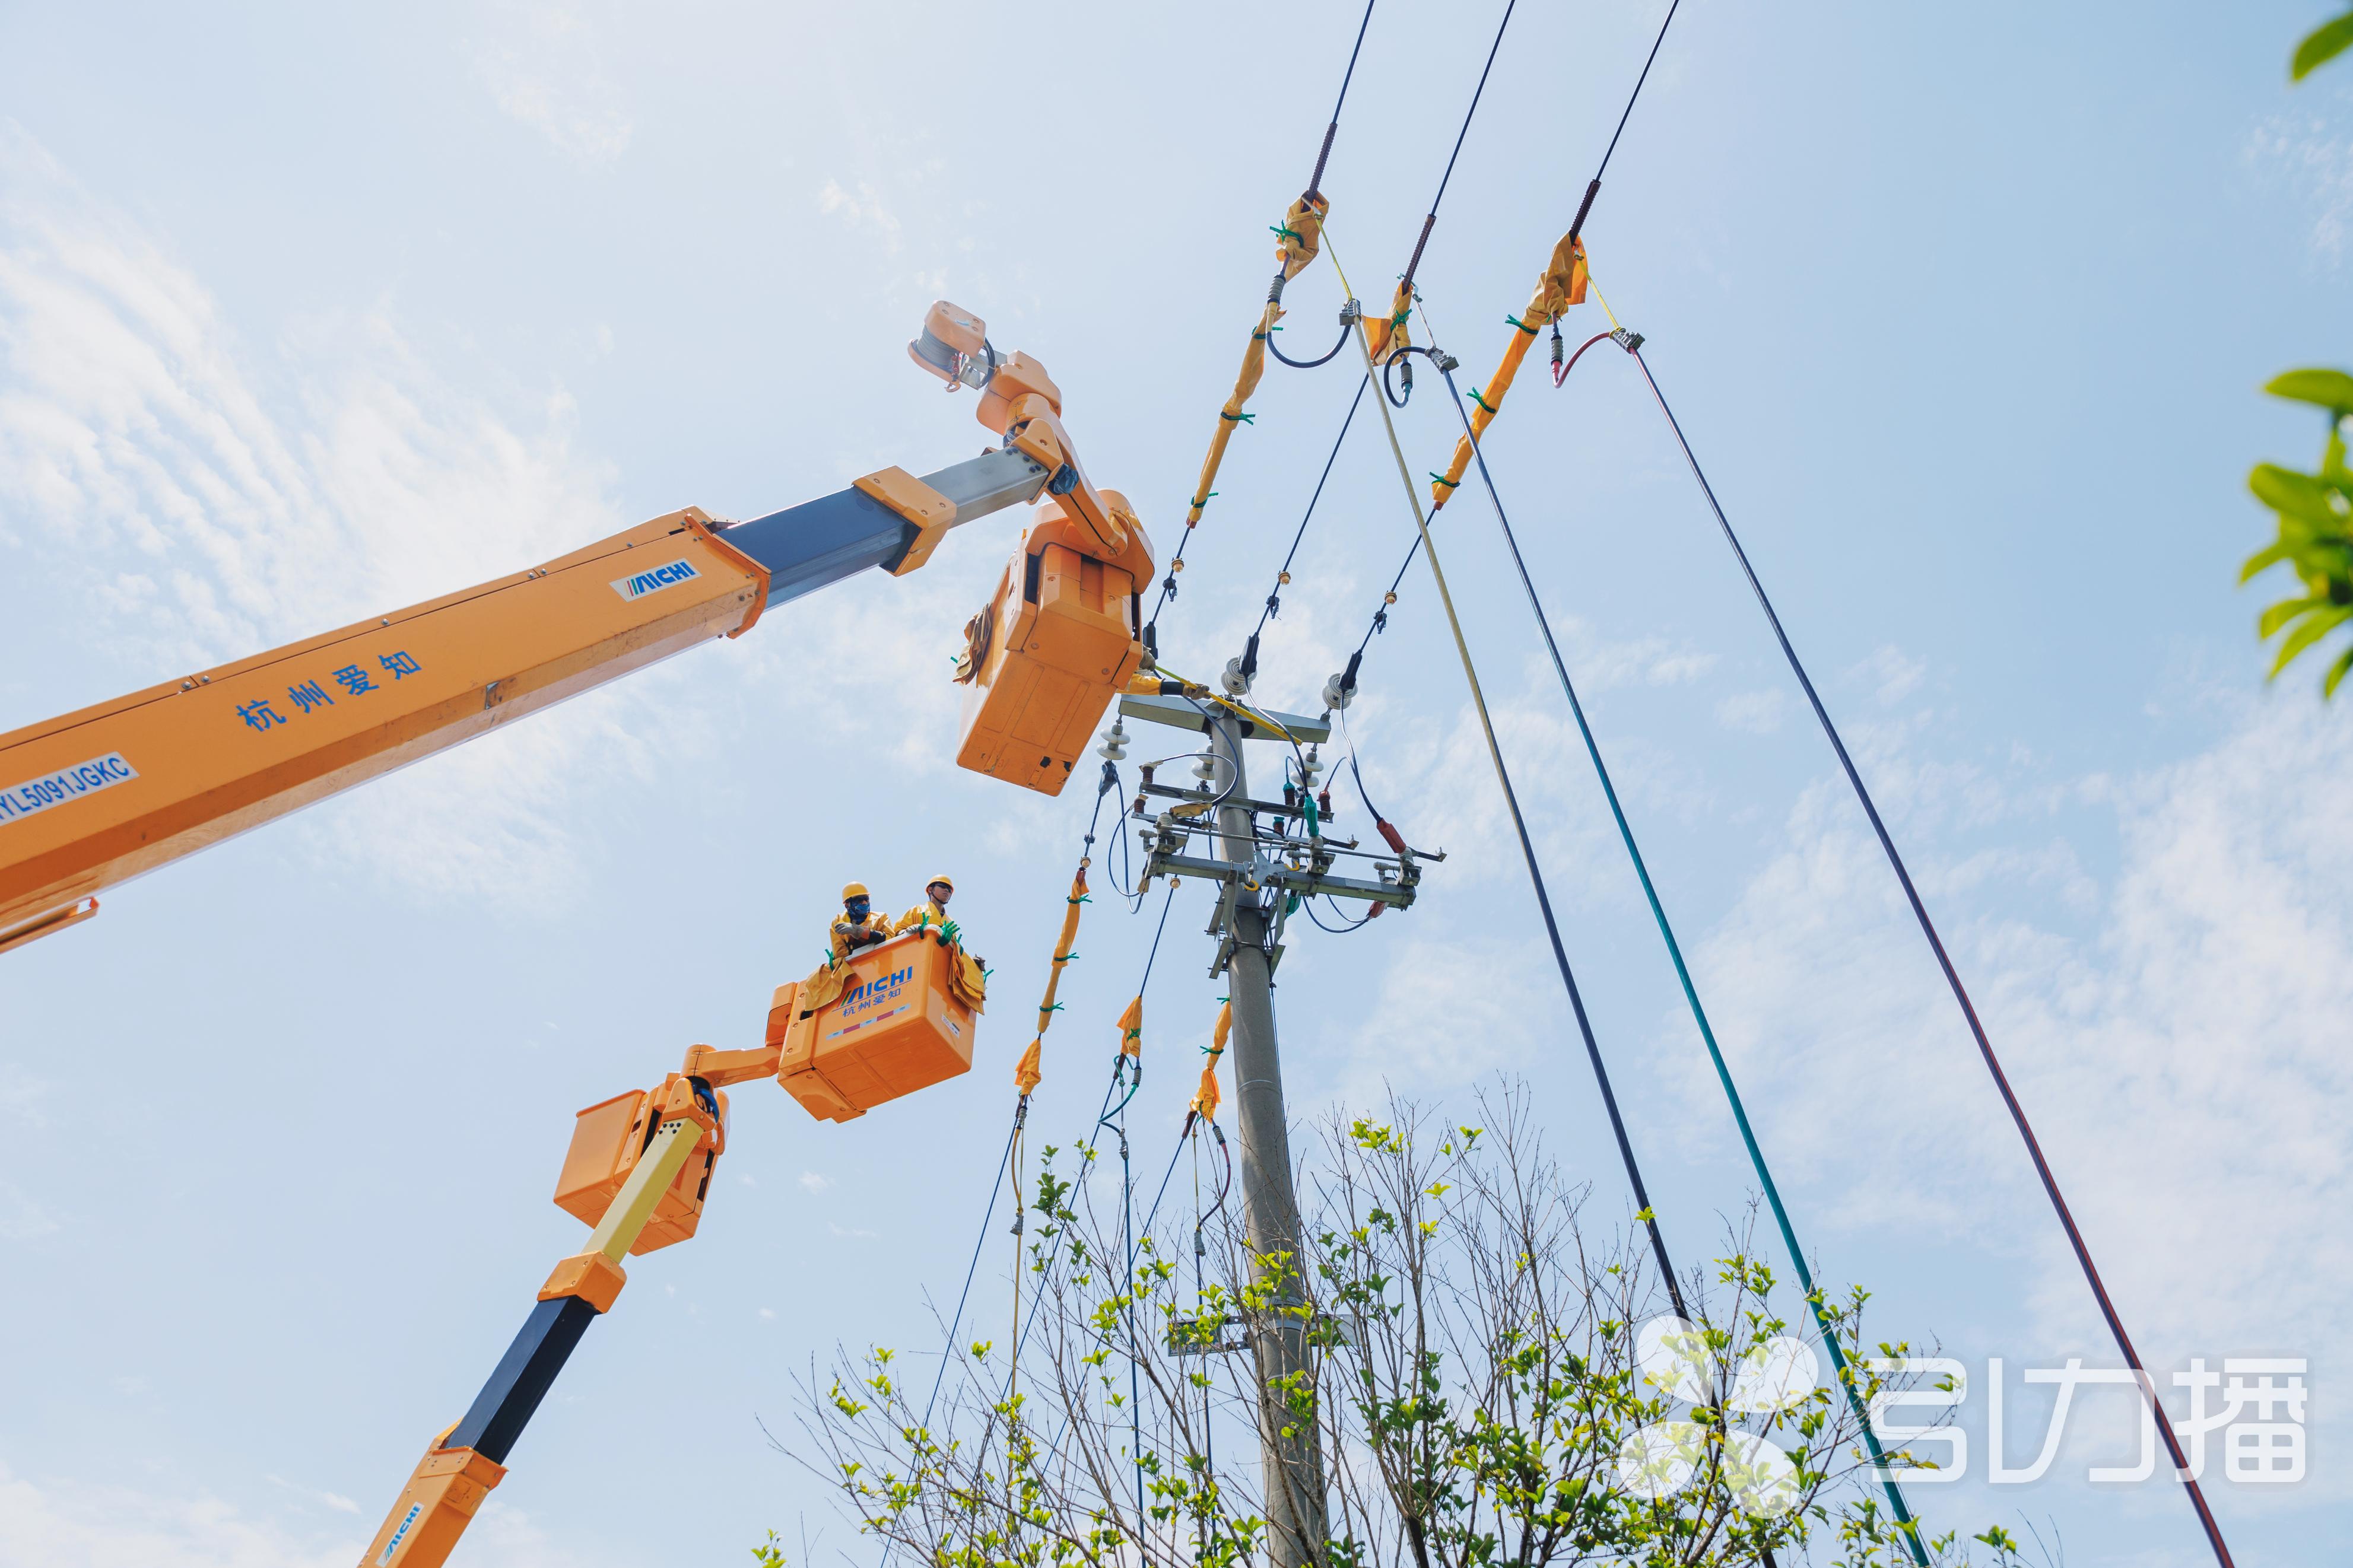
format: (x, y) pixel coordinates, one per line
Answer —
(854, 890)
(945, 879)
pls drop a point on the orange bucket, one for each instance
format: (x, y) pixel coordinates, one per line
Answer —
(895, 1028)
(1061, 635)
(606, 1140)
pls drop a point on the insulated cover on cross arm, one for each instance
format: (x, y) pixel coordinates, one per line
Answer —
(896, 1026)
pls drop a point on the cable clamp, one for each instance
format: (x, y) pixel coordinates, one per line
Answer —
(1351, 312)
(1625, 339)
(1446, 363)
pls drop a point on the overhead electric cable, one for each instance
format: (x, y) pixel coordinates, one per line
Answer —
(1691, 996)
(1283, 573)
(1387, 334)
(1315, 180)
(1297, 237)
(1430, 222)
(1535, 873)
(1593, 190)
(1960, 995)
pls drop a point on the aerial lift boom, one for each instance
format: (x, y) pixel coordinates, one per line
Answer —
(96, 798)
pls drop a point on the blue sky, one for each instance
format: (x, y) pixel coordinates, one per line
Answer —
(306, 314)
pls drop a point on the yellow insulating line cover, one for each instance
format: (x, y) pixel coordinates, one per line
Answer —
(1297, 237)
(1388, 332)
(1563, 284)
(1028, 1073)
(1131, 1031)
(1205, 1098)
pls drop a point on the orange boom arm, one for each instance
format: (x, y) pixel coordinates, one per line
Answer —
(97, 797)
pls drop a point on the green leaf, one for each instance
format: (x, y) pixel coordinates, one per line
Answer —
(2331, 389)
(2320, 46)
(2286, 610)
(2262, 561)
(2315, 627)
(2336, 673)
(2298, 495)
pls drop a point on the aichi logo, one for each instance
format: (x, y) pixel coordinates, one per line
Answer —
(643, 582)
(881, 989)
(401, 1533)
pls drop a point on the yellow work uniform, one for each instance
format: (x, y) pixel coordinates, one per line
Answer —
(929, 910)
(847, 937)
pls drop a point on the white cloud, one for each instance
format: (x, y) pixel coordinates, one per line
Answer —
(22, 1220)
(813, 1183)
(71, 1524)
(335, 1501)
(21, 1094)
(2183, 1062)
(2316, 159)
(1444, 1021)
(65, 1523)
(1752, 712)
(217, 499)
(201, 500)
(864, 210)
(546, 69)
(1891, 674)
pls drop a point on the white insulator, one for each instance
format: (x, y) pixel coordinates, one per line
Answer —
(1205, 769)
(1310, 767)
(1114, 743)
(1236, 683)
(1336, 696)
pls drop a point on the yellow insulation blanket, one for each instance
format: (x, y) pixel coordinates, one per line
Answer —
(1205, 1098)
(1298, 238)
(1029, 1073)
(1563, 284)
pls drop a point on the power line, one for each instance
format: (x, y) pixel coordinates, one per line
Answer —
(1431, 221)
(1283, 572)
(1536, 872)
(1315, 181)
(1953, 979)
(1594, 189)
(1691, 994)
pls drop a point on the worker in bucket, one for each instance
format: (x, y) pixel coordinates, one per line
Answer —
(858, 926)
(932, 914)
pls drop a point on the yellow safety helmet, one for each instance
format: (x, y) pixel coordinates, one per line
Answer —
(946, 880)
(855, 891)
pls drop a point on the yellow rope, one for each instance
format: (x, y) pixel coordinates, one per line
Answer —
(1429, 549)
(1239, 710)
(1347, 290)
(1604, 299)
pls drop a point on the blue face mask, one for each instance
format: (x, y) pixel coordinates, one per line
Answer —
(856, 908)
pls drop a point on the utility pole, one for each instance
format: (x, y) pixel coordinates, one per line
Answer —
(1293, 1465)
(1260, 865)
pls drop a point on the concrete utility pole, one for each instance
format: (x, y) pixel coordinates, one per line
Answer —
(1293, 1466)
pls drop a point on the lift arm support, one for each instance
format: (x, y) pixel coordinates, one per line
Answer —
(464, 1463)
(97, 797)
